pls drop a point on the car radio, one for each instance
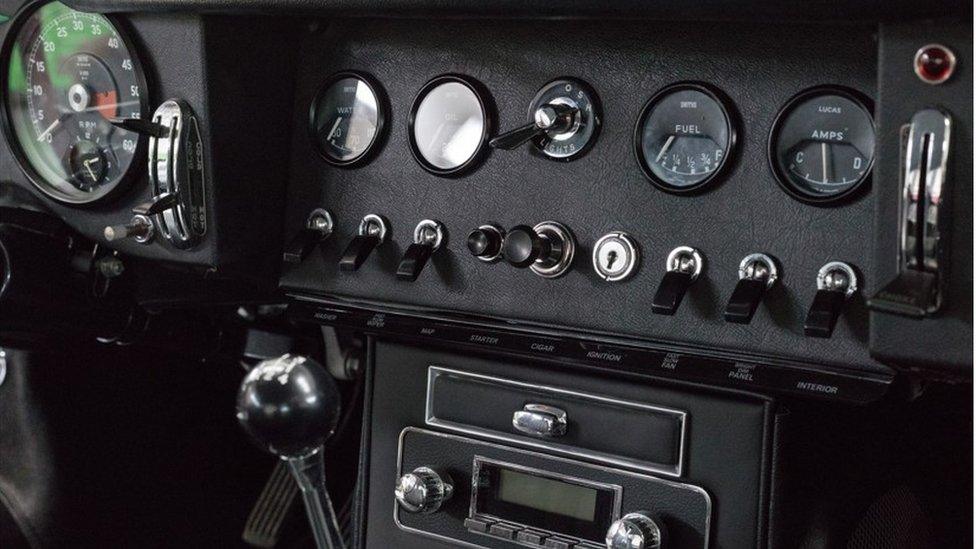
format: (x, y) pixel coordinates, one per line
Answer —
(483, 494)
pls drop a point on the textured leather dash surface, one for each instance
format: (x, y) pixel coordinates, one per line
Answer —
(626, 62)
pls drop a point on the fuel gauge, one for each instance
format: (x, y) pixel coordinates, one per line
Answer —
(348, 118)
(684, 137)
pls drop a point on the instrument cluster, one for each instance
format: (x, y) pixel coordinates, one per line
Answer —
(820, 147)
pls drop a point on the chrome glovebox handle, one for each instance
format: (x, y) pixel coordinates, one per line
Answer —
(540, 420)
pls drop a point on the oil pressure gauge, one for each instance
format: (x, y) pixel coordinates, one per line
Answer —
(684, 137)
(821, 147)
(347, 119)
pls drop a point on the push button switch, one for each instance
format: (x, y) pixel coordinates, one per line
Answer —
(836, 284)
(485, 242)
(757, 274)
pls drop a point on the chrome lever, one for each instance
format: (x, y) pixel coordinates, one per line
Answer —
(917, 290)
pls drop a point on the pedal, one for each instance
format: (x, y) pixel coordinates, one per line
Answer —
(270, 510)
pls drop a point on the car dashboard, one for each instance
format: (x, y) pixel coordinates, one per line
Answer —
(662, 274)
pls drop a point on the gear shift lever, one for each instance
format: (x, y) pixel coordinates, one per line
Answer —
(290, 406)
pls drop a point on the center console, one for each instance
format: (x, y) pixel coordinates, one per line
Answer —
(494, 451)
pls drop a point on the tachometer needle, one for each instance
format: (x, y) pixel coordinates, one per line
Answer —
(49, 129)
(87, 165)
(664, 149)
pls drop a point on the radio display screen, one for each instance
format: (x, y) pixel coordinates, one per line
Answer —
(543, 500)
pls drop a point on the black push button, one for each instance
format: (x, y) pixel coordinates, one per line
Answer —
(532, 537)
(502, 530)
(477, 525)
(485, 242)
(558, 542)
(523, 246)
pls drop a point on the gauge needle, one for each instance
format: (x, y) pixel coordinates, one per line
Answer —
(49, 129)
(333, 130)
(88, 167)
(664, 149)
(823, 159)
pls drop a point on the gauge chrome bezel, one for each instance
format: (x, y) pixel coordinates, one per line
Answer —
(125, 33)
(784, 181)
(731, 122)
(382, 119)
(487, 113)
(595, 121)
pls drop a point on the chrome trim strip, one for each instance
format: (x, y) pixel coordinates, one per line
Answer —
(676, 470)
(674, 484)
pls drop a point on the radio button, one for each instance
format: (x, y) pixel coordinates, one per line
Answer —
(502, 530)
(477, 525)
(558, 542)
(533, 537)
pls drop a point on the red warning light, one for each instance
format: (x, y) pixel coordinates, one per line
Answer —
(934, 63)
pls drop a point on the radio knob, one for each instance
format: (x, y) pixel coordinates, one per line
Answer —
(636, 531)
(423, 490)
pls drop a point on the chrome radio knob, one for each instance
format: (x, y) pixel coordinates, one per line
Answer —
(636, 531)
(423, 490)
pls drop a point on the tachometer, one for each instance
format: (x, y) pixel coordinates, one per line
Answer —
(66, 74)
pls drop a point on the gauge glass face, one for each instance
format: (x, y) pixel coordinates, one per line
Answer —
(67, 74)
(822, 146)
(448, 128)
(347, 119)
(684, 138)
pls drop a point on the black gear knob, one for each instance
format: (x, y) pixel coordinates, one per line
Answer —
(289, 405)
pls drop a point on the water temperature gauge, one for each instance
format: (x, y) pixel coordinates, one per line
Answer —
(348, 118)
(684, 137)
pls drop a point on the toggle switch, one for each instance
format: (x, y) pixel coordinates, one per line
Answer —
(615, 256)
(836, 284)
(373, 232)
(547, 248)
(317, 229)
(684, 265)
(757, 274)
(485, 242)
(428, 237)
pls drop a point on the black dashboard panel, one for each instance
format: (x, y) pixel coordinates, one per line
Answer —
(602, 191)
